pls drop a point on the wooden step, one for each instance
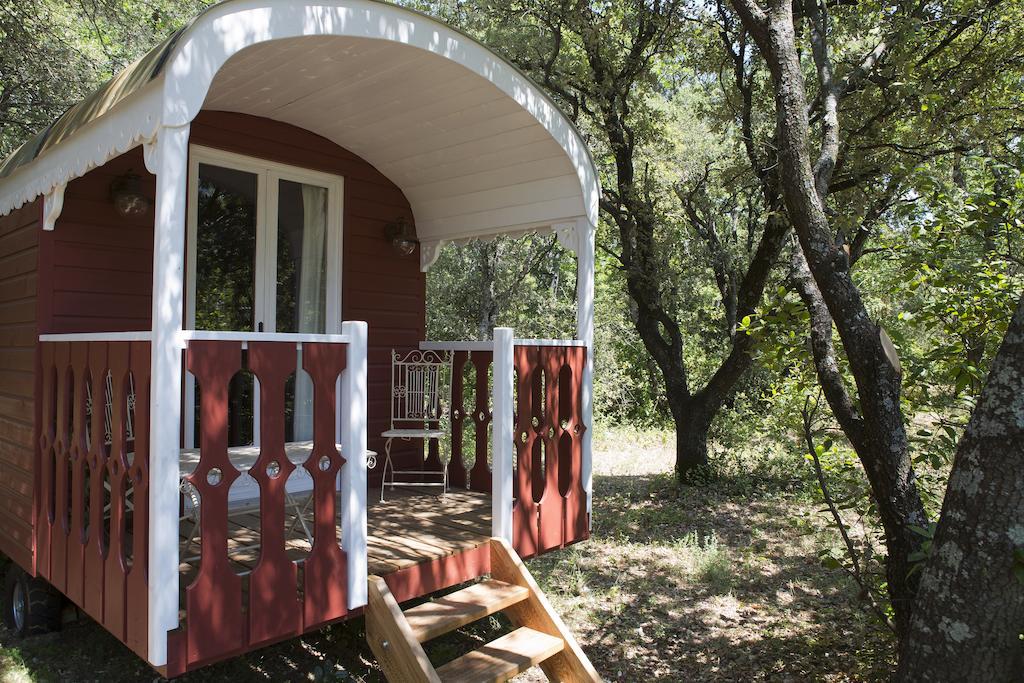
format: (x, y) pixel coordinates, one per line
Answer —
(503, 658)
(447, 613)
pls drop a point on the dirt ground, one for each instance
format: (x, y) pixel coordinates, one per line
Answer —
(720, 582)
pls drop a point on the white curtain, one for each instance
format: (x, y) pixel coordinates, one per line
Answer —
(312, 305)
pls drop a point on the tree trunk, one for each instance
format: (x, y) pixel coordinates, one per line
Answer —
(882, 435)
(970, 606)
(693, 417)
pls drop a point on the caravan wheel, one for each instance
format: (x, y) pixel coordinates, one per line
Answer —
(31, 605)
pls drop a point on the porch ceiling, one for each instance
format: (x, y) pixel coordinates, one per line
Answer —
(470, 159)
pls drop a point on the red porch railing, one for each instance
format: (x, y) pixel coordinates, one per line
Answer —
(550, 501)
(478, 476)
(92, 522)
(227, 613)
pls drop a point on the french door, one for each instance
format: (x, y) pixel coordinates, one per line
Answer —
(264, 254)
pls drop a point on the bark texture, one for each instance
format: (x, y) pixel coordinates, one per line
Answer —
(970, 604)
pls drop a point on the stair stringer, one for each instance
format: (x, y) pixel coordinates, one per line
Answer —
(394, 645)
(571, 664)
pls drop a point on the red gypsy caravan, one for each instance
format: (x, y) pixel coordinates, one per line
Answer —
(219, 423)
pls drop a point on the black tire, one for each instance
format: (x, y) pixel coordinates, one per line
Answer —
(31, 605)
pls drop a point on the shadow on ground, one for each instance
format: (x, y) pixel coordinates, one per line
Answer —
(713, 582)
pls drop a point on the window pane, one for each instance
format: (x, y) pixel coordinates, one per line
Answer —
(226, 249)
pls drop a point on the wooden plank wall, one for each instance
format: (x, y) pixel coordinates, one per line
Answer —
(102, 262)
(19, 253)
(386, 290)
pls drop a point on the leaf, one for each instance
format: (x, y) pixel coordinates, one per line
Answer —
(921, 531)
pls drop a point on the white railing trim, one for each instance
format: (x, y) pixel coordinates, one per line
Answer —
(98, 336)
(203, 335)
(296, 338)
(549, 342)
(456, 346)
(489, 345)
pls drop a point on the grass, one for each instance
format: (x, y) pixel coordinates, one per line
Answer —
(720, 581)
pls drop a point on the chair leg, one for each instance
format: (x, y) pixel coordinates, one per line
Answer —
(444, 471)
(384, 472)
(300, 516)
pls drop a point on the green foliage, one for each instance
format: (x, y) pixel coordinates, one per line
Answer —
(54, 52)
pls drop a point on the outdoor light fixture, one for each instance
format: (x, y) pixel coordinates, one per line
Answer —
(126, 193)
(399, 233)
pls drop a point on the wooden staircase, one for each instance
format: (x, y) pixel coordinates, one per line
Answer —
(541, 638)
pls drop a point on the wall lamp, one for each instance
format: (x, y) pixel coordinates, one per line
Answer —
(400, 233)
(128, 197)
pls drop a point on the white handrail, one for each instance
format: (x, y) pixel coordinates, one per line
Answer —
(203, 335)
(296, 338)
(489, 345)
(144, 335)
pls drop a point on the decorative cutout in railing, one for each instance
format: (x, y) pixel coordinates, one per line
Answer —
(92, 534)
(478, 477)
(551, 505)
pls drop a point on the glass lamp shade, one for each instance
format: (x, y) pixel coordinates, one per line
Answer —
(404, 245)
(401, 236)
(126, 193)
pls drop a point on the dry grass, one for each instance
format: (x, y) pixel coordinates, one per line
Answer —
(718, 582)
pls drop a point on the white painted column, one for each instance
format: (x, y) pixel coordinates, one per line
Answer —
(170, 164)
(353, 473)
(585, 235)
(503, 434)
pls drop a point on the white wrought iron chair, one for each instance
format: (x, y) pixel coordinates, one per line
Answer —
(421, 383)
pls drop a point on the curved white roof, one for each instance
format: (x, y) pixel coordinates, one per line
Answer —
(476, 146)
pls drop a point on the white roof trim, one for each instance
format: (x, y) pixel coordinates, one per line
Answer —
(131, 123)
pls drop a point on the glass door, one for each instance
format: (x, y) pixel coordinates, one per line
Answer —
(299, 296)
(265, 256)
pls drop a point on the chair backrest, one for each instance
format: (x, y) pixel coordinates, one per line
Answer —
(108, 409)
(421, 385)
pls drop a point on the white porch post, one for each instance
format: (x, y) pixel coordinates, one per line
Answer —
(503, 434)
(353, 474)
(170, 164)
(585, 235)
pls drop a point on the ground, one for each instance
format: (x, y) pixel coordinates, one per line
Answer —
(718, 582)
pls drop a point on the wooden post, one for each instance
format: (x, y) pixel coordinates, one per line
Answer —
(170, 164)
(585, 233)
(353, 474)
(501, 475)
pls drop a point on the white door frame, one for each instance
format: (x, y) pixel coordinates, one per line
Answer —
(268, 176)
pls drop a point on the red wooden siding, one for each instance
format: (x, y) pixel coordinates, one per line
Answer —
(19, 237)
(101, 272)
(379, 286)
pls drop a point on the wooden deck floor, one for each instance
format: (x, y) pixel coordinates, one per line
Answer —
(408, 529)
